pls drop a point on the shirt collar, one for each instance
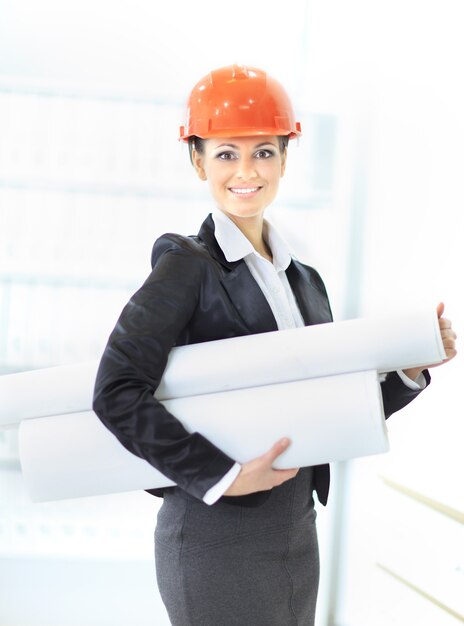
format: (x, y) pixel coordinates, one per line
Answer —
(236, 246)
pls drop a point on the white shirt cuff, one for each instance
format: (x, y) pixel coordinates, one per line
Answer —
(219, 489)
(419, 383)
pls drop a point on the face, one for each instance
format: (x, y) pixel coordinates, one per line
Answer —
(243, 173)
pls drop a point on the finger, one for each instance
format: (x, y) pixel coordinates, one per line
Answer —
(277, 449)
(444, 323)
(440, 309)
(447, 337)
(448, 333)
(450, 354)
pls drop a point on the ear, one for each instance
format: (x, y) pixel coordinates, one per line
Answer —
(197, 161)
(283, 162)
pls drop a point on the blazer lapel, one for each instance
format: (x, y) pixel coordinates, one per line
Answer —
(312, 300)
(249, 300)
(242, 289)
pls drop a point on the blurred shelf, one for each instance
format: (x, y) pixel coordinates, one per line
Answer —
(433, 503)
(421, 592)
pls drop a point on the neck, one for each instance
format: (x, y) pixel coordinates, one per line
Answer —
(252, 228)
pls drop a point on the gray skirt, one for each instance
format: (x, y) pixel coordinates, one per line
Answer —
(226, 565)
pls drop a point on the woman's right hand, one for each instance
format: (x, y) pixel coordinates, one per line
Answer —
(259, 475)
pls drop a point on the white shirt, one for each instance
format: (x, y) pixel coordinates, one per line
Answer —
(270, 275)
(273, 281)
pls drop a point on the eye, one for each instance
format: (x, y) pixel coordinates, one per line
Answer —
(264, 154)
(226, 156)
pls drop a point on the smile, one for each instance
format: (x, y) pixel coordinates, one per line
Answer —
(244, 190)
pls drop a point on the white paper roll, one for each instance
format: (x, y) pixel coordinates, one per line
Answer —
(378, 343)
(47, 391)
(328, 419)
(384, 344)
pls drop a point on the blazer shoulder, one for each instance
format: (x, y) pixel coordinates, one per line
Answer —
(311, 275)
(189, 245)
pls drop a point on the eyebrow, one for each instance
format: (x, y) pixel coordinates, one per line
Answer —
(232, 145)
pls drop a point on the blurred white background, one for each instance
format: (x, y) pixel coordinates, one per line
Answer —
(91, 98)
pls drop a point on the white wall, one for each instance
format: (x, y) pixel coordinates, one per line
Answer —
(398, 64)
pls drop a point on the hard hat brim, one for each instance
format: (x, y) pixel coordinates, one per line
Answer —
(240, 132)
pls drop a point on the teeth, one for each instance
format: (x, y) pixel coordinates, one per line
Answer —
(241, 190)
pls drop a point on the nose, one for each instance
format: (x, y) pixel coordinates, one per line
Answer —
(246, 169)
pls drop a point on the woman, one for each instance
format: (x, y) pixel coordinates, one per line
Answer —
(234, 544)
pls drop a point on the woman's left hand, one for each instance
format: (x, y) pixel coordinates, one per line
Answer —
(448, 336)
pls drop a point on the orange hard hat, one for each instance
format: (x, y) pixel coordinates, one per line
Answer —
(239, 101)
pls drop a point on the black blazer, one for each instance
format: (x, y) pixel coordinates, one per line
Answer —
(194, 294)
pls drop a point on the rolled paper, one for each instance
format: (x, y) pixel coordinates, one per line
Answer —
(377, 343)
(47, 391)
(327, 419)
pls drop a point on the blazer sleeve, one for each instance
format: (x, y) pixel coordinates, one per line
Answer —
(133, 363)
(396, 395)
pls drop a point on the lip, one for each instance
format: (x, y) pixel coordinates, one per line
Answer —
(245, 192)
